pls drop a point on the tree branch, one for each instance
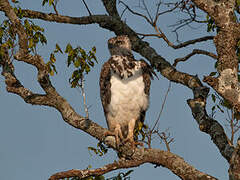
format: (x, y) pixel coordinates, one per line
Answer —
(195, 51)
(160, 158)
(207, 124)
(111, 8)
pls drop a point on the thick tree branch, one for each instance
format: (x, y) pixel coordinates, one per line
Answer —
(234, 169)
(160, 158)
(119, 27)
(206, 5)
(209, 125)
(23, 43)
(111, 8)
(226, 84)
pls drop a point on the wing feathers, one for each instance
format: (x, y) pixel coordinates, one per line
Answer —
(105, 85)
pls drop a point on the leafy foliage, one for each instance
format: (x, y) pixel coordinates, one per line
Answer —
(82, 62)
(120, 176)
(52, 60)
(90, 178)
(100, 150)
(211, 26)
(7, 37)
(34, 34)
(50, 2)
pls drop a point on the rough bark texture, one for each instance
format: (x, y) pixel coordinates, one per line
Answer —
(226, 84)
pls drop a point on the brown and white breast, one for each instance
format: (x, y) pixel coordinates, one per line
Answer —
(128, 98)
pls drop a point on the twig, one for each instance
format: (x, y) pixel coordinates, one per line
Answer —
(135, 13)
(232, 127)
(146, 9)
(85, 4)
(55, 7)
(165, 139)
(81, 86)
(163, 104)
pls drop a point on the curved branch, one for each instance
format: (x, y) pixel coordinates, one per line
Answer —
(193, 41)
(195, 51)
(160, 158)
(209, 125)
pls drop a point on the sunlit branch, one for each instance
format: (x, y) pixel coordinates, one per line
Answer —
(165, 159)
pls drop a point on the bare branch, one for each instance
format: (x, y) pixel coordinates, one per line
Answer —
(232, 127)
(81, 86)
(135, 13)
(55, 7)
(202, 39)
(176, 5)
(89, 12)
(162, 107)
(194, 52)
(146, 9)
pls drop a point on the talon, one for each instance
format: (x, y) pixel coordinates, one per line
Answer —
(117, 134)
(132, 142)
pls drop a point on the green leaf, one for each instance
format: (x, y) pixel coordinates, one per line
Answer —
(87, 68)
(226, 104)
(213, 98)
(212, 73)
(50, 2)
(238, 2)
(26, 24)
(213, 108)
(68, 48)
(77, 63)
(51, 72)
(99, 178)
(52, 58)
(43, 39)
(30, 43)
(54, 68)
(44, 2)
(58, 48)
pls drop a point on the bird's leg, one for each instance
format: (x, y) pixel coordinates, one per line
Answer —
(129, 138)
(117, 133)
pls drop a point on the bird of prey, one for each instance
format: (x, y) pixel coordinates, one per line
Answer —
(124, 89)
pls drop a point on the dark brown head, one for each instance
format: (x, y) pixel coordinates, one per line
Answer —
(120, 45)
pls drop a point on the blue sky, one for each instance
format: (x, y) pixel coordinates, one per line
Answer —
(35, 142)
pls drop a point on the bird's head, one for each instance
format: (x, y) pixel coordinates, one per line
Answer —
(120, 45)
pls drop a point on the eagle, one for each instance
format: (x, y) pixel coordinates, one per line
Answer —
(124, 90)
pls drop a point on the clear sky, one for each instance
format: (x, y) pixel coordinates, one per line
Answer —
(34, 140)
